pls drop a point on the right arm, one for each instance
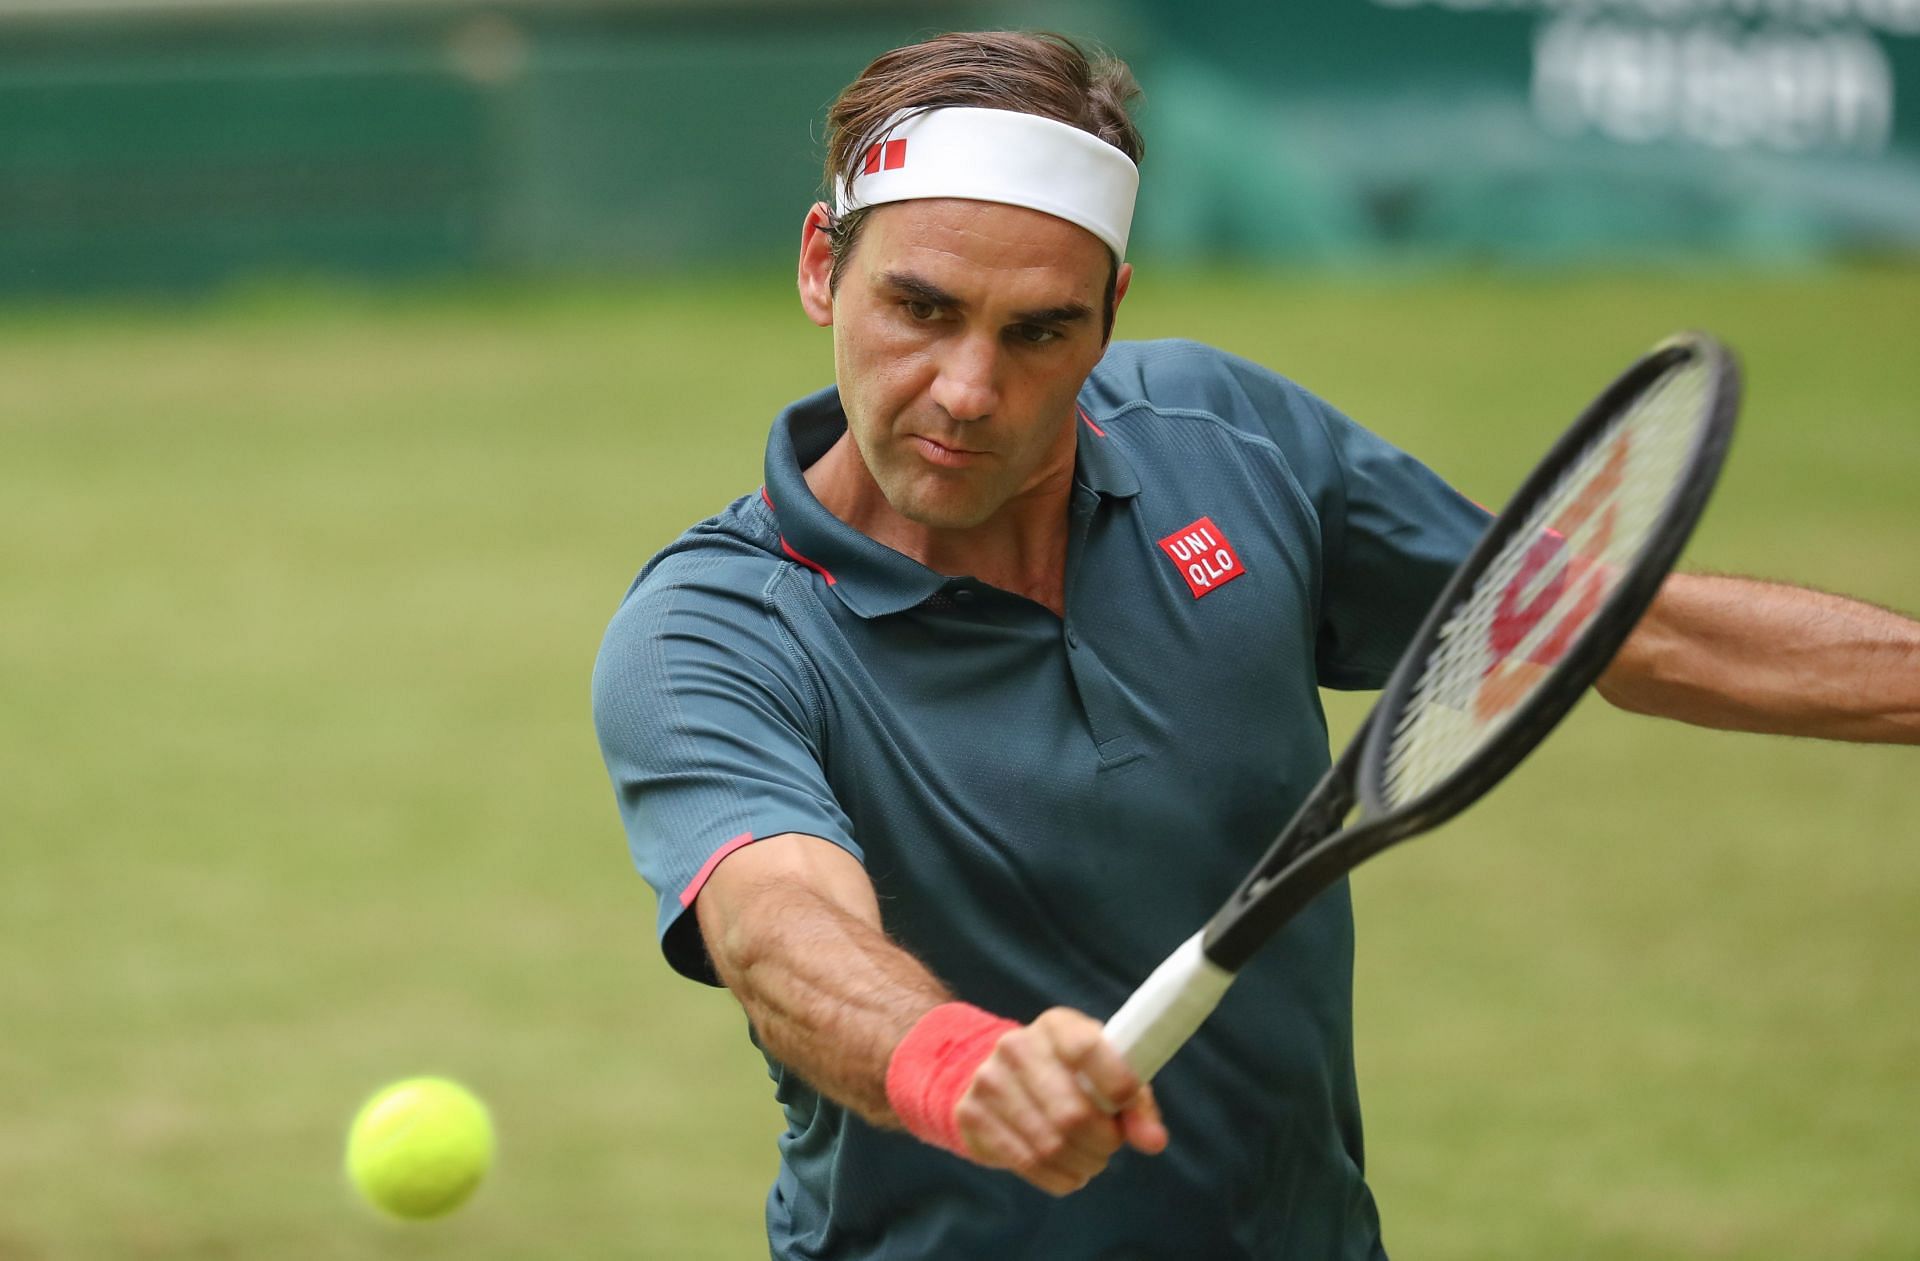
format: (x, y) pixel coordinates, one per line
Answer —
(709, 732)
(793, 928)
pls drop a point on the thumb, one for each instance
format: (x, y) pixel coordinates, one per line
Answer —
(1141, 1125)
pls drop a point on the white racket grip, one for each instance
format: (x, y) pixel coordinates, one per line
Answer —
(1168, 1008)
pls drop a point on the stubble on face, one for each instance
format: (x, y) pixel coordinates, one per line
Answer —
(963, 333)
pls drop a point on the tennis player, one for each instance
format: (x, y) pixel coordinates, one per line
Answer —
(944, 736)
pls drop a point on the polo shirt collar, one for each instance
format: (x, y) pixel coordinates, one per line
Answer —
(1099, 465)
(871, 578)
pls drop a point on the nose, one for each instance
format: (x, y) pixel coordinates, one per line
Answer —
(966, 384)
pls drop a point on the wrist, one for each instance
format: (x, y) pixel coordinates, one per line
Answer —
(934, 1064)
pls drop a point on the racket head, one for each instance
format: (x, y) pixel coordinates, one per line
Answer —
(1554, 587)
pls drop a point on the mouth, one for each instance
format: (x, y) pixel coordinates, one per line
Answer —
(934, 452)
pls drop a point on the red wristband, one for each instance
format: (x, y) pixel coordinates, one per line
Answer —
(933, 1066)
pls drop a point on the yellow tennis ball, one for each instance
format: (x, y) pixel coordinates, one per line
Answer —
(419, 1147)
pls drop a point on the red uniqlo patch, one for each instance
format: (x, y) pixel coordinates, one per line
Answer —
(1203, 556)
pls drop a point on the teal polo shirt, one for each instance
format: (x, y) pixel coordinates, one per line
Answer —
(1048, 805)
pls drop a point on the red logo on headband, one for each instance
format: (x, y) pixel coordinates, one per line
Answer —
(890, 156)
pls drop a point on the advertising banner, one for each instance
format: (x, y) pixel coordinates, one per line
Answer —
(1538, 128)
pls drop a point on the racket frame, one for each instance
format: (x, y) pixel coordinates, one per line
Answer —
(1312, 851)
(1594, 645)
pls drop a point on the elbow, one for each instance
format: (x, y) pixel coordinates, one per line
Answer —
(734, 946)
(1631, 694)
(752, 942)
(1641, 673)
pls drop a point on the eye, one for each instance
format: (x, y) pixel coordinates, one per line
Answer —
(1035, 334)
(920, 308)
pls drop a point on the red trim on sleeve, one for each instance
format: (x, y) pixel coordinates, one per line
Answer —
(699, 881)
(1097, 429)
(1490, 512)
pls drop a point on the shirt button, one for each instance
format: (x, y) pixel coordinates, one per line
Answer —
(1073, 638)
(963, 595)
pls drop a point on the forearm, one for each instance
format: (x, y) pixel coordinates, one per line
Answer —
(1745, 655)
(793, 927)
(827, 991)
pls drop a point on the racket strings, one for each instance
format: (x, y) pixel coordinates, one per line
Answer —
(1530, 606)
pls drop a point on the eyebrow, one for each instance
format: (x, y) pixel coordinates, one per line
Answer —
(927, 291)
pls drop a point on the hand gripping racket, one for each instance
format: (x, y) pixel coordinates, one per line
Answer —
(1525, 626)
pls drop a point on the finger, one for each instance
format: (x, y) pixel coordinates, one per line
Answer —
(1100, 1101)
(1056, 1184)
(1052, 1181)
(1000, 1145)
(1100, 1069)
(1002, 1089)
(1142, 1126)
(1085, 1134)
(1081, 1042)
(989, 1137)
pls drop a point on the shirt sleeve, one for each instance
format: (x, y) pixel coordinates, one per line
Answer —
(1392, 531)
(711, 733)
(1403, 533)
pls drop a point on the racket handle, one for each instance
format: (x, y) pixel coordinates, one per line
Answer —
(1168, 1008)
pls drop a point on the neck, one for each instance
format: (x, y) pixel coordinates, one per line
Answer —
(1021, 548)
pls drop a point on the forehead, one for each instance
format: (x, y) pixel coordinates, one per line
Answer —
(960, 244)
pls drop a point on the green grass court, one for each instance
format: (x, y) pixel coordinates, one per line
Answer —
(301, 794)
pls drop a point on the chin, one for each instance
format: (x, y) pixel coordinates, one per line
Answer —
(944, 516)
(942, 512)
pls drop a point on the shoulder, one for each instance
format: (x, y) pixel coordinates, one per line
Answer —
(1172, 404)
(1188, 379)
(729, 557)
(711, 595)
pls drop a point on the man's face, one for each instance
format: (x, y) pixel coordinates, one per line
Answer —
(962, 332)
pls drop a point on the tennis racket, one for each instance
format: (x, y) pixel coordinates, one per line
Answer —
(1525, 626)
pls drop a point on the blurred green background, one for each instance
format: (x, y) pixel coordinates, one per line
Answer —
(347, 376)
(301, 595)
(170, 145)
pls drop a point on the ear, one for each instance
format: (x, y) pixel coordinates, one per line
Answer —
(816, 267)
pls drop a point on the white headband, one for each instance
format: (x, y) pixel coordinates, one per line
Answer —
(1003, 156)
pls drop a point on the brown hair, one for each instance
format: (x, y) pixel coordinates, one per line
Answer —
(1034, 72)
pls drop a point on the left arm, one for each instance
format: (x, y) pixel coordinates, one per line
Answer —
(1745, 655)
